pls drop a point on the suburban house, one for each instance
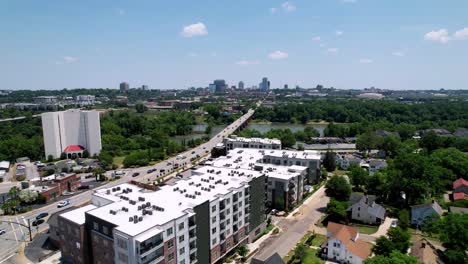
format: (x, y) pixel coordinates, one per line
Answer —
(363, 208)
(458, 210)
(343, 245)
(345, 161)
(422, 212)
(425, 252)
(460, 189)
(376, 165)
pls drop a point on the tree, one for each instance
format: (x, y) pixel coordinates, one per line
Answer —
(329, 161)
(243, 250)
(398, 239)
(85, 154)
(336, 210)
(403, 219)
(431, 141)
(339, 188)
(300, 251)
(359, 177)
(50, 158)
(394, 257)
(63, 155)
(452, 230)
(140, 108)
(28, 196)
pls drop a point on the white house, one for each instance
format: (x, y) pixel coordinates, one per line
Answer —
(343, 245)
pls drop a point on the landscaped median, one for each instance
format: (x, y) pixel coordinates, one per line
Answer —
(307, 250)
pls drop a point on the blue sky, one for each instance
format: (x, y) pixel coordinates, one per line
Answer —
(397, 44)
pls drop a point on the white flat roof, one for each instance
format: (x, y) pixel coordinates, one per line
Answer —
(78, 215)
(255, 140)
(4, 164)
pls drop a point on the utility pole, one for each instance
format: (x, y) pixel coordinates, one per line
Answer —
(27, 226)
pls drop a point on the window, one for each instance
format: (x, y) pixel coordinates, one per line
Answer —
(95, 226)
(182, 261)
(123, 257)
(228, 211)
(181, 226)
(105, 230)
(182, 251)
(213, 219)
(213, 209)
(228, 221)
(213, 241)
(213, 230)
(170, 243)
(181, 238)
(228, 201)
(359, 208)
(122, 243)
(170, 257)
(169, 231)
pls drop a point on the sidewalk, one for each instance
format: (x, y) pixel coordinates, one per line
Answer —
(54, 259)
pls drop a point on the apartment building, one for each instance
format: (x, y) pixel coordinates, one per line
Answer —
(234, 142)
(195, 220)
(287, 172)
(71, 131)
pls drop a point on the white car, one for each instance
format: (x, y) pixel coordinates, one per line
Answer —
(63, 204)
(2, 231)
(394, 223)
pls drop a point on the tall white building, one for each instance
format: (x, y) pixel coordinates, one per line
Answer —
(72, 132)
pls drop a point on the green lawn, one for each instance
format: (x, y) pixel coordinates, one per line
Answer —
(318, 240)
(118, 161)
(311, 257)
(365, 229)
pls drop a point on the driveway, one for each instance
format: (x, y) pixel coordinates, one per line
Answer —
(383, 228)
(294, 228)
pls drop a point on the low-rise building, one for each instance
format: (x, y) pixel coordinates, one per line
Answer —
(343, 245)
(363, 208)
(425, 252)
(234, 142)
(460, 189)
(424, 212)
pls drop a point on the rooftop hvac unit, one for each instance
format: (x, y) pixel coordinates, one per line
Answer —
(140, 218)
(129, 190)
(148, 204)
(130, 219)
(150, 212)
(108, 192)
(139, 208)
(118, 188)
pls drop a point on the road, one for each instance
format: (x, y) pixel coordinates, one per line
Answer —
(15, 234)
(294, 228)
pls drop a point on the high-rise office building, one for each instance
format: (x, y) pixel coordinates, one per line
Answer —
(241, 85)
(71, 132)
(144, 87)
(285, 86)
(264, 85)
(218, 86)
(124, 87)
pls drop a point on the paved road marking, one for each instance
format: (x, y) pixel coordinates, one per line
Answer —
(16, 238)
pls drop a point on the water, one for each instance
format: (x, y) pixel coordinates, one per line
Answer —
(198, 132)
(263, 128)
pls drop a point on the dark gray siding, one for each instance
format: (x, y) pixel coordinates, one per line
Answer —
(202, 219)
(257, 202)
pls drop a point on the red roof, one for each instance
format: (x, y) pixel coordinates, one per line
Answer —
(72, 148)
(459, 182)
(459, 196)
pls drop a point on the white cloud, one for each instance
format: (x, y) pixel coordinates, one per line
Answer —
(273, 10)
(278, 55)
(398, 53)
(366, 61)
(66, 60)
(441, 36)
(248, 62)
(214, 54)
(317, 39)
(461, 34)
(339, 33)
(349, 1)
(121, 11)
(288, 6)
(192, 54)
(332, 50)
(193, 30)
(323, 45)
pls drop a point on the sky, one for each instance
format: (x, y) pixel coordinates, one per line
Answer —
(346, 44)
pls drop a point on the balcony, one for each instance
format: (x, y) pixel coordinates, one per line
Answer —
(222, 227)
(235, 218)
(222, 217)
(222, 206)
(192, 245)
(146, 247)
(235, 208)
(235, 228)
(222, 237)
(247, 210)
(193, 258)
(192, 234)
(192, 221)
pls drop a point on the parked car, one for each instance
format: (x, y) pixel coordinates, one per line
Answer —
(83, 187)
(2, 231)
(394, 223)
(63, 203)
(41, 215)
(119, 172)
(135, 174)
(193, 152)
(37, 222)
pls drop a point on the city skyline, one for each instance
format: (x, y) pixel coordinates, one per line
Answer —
(340, 43)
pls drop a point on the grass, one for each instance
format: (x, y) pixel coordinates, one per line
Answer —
(310, 256)
(266, 231)
(318, 240)
(118, 161)
(366, 229)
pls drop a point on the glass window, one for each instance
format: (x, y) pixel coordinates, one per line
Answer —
(169, 231)
(213, 209)
(181, 238)
(182, 251)
(213, 230)
(213, 241)
(105, 230)
(170, 243)
(170, 257)
(213, 219)
(181, 226)
(95, 226)
(228, 201)
(182, 261)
